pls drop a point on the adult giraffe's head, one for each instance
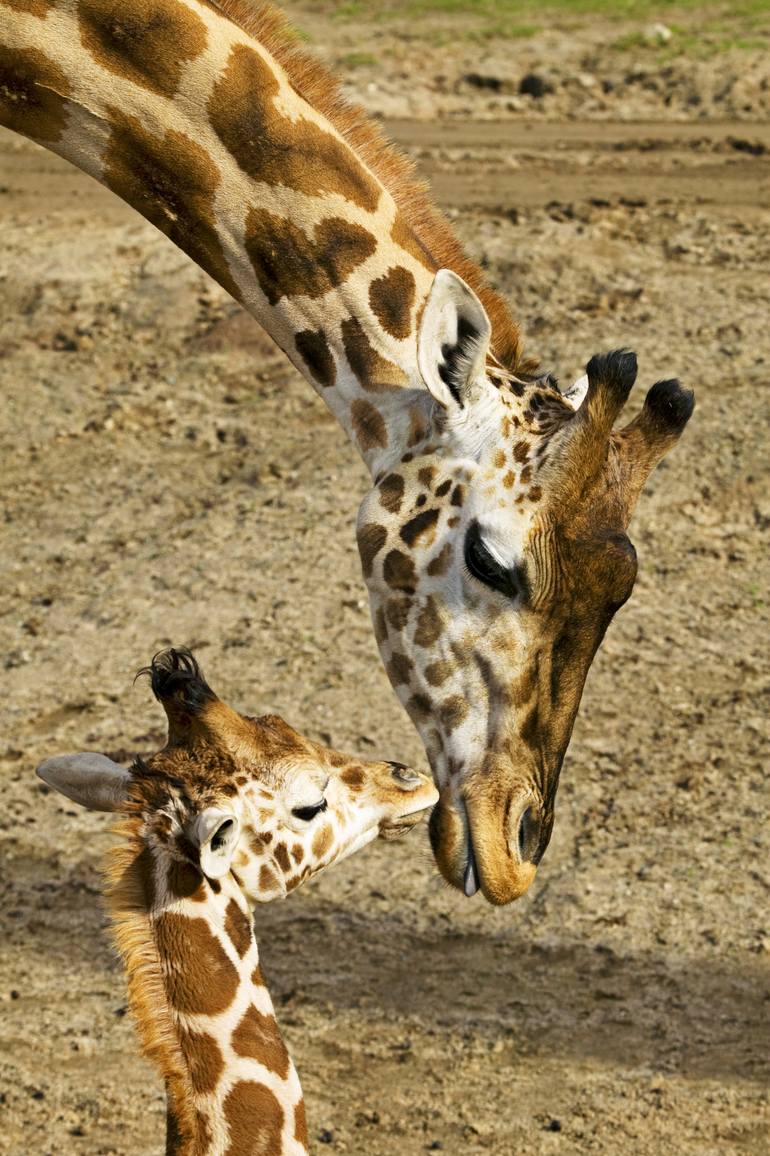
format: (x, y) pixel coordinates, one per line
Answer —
(496, 554)
(247, 795)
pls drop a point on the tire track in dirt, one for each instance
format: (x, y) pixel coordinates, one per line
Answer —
(724, 164)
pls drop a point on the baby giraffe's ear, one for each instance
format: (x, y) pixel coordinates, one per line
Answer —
(90, 779)
(215, 832)
(453, 342)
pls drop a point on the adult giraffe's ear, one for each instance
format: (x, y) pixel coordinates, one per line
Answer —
(453, 341)
(90, 779)
(215, 832)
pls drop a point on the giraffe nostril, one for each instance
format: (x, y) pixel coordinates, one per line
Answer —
(528, 836)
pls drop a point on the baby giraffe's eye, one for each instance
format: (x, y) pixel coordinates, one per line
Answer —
(308, 813)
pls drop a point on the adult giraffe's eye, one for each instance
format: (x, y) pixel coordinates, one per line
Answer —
(486, 568)
(308, 813)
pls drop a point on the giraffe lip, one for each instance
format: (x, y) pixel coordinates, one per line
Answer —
(395, 828)
(395, 831)
(400, 827)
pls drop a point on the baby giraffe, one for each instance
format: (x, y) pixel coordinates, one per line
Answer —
(234, 811)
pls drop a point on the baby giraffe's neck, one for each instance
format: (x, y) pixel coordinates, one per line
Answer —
(205, 1016)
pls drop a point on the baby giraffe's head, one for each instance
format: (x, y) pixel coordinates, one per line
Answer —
(247, 796)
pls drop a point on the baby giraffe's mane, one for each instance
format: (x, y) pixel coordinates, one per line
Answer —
(129, 893)
(427, 224)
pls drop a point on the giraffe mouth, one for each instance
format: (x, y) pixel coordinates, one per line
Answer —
(471, 883)
(395, 830)
(398, 827)
(473, 853)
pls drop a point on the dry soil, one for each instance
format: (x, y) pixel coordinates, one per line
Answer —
(167, 477)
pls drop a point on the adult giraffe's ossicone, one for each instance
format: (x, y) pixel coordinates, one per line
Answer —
(493, 541)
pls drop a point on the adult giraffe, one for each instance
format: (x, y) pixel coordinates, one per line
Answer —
(493, 540)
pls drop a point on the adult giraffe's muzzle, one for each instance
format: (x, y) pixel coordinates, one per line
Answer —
(490, 838)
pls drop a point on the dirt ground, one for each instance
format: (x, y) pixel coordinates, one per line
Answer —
(167, 477)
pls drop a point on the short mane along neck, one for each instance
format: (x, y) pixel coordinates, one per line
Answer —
(204, 1014)
(207, 119)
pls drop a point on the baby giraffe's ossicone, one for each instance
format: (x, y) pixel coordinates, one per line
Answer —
(232, 812)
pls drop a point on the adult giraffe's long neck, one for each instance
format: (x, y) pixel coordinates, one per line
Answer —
(241, 150)
(204, 1014)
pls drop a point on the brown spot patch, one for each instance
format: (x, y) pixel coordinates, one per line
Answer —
(426, 475)
(268, 880)
(184, 882)
(438, 672)
(204, 1060)
(380, 626)
(400, 669)
(171, 181)
(33, 92)
(397, 612)
(458, 495)
(257, 978)
(421, 524)
(238, 928)
(392, 492)
(430, 623)
(440, 564)
(417, 427)
(404, 236)
(498, 460)
(300, 1124)
(269, 147)
(371, 538)
(144, 866)
(33, 7)
(391, 298)
(314, 350)
(259, 840)
(353, 777)
(399, 572)
(535, 494)
(419, 706)
(444, 488)
(368, 425)
(146, 41)
(298, 852)
(374, 372)
(289, 263)
(204, 1136)
(200, 979)
(322, 841)
(254, 1119)
(257, 1037)
(453, 711)
(281, 853)
(521, 451)
(509, 479)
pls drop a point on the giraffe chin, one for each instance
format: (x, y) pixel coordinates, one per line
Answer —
(401, 826)
(473, 858)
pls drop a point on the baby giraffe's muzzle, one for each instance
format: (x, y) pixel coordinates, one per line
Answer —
(409, 794)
